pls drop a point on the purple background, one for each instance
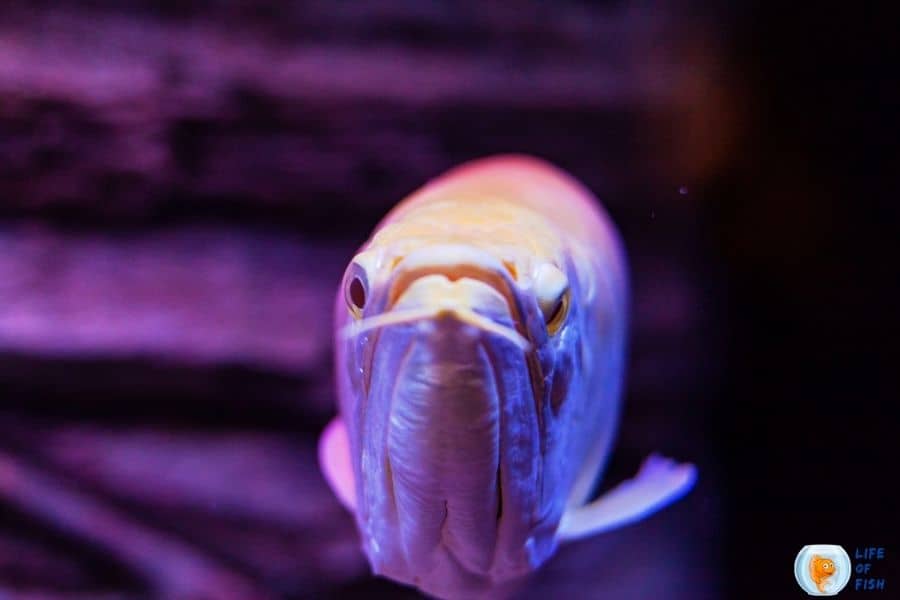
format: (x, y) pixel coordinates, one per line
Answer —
(182, 184)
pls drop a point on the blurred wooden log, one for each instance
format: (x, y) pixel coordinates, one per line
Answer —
(173, 569)
(318, 117)
(195, 295)
(153, 318)
(255, 499)
(145, 320)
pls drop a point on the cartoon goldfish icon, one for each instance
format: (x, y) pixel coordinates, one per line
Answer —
(820, 569)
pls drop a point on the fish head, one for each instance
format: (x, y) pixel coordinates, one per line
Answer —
(823, 566)
(461, 366)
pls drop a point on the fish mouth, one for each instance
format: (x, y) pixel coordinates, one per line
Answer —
(450, 468)
(417, 291)
(443, 454)
(456, 418)
(455, 262)
(461, 262)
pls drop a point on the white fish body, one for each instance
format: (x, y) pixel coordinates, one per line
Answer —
(480, 348)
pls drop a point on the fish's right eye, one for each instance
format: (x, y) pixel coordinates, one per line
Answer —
(356, 294)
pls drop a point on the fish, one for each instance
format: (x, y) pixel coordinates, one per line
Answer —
(480, 346)
(820, 569)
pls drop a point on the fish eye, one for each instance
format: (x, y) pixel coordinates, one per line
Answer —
(356, 295)
(555, 317)
(356, 282)
(553, 296)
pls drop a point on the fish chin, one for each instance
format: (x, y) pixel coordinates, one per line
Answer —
(450, 465)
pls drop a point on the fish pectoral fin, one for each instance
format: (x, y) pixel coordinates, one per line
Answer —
(659, 482)
(334, 460)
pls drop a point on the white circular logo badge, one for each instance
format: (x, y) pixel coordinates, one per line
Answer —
(822, 569)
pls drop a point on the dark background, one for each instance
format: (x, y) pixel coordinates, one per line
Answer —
(181, 185)
(810, 240)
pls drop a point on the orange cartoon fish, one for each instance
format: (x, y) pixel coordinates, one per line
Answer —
(820, 569)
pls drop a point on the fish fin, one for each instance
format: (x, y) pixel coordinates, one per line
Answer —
(659, 482)
(334, 460)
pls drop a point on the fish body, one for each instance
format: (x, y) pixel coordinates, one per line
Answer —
(820, 569)
(480, 348)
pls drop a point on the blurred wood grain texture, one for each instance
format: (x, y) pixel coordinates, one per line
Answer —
(181, 185)
(111, 115)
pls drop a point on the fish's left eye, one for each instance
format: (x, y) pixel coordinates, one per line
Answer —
(557, 314)
(553, 295)
(552, 291)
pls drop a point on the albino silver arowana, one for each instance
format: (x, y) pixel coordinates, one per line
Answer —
(480, 346)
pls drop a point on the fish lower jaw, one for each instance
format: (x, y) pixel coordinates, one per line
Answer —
(446, 578)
